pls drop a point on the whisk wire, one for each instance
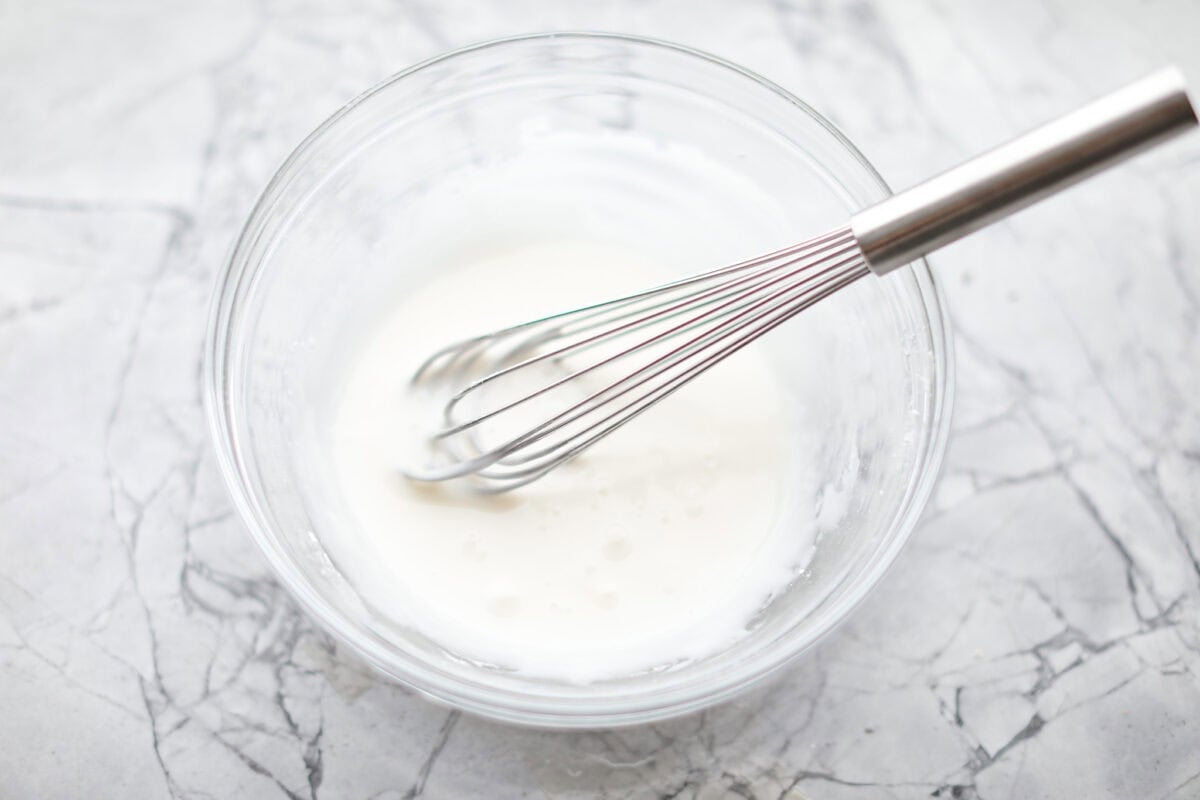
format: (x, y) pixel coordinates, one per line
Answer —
(660, 365)
(631, 410)
(648, 317)
(722, 311)
(609, 394)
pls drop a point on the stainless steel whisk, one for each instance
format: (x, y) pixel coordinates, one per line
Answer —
(522, 400)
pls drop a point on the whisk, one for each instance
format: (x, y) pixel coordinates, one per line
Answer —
(523, 400)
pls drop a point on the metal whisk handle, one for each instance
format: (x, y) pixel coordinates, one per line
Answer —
(978, 192)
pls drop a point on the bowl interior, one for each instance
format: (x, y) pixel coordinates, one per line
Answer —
(492, 145)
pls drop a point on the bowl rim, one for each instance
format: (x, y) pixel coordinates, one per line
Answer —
(500, 704)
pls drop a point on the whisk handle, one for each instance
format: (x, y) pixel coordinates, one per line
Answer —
(991, 186)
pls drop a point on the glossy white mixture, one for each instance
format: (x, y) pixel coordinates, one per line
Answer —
(657, 546)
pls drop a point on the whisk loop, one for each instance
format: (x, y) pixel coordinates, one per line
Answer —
(539, 393)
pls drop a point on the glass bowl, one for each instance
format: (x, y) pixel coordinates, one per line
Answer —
(337, 236)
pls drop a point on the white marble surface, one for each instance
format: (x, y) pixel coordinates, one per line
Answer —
(1040, 637)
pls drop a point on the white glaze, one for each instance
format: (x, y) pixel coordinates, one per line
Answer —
(655, 547)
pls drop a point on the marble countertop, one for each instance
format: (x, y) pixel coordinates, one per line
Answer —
(1040, 636)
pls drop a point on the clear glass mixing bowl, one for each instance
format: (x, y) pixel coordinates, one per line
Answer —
(335, 237)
